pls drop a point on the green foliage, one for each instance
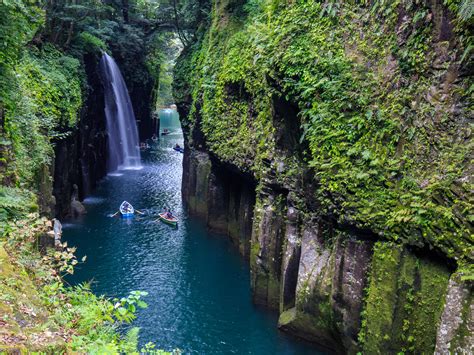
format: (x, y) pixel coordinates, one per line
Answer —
(55, 316)
(95, 319)
(388, 151)
(51, 81)
(48, 94)
(19, 21)
(91, 43)
(15, 204)
(42, 83)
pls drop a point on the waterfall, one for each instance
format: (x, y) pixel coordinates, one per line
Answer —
(123, 149)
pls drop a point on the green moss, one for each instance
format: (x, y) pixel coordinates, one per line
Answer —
(305, 325)
(91, 43)
(254, 251)
(376, 331)
(428, 304)
(404, 302)
(385, 157)
(287, 317)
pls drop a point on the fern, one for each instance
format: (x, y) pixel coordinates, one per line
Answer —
(466, 10)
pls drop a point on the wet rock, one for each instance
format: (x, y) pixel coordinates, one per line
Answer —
(329, 292)
(58, 232)
(351, 264)
(290, 263)
(456, 330)
(224, 199)
(77, 208)
(218, 203)
(80, 158)
(195, 183)
(51, 238)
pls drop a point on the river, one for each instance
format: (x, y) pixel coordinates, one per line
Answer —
(199, 297)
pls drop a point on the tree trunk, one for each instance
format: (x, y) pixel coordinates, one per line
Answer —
(125, 8)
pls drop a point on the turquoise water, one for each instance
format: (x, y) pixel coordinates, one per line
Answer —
(198, 285)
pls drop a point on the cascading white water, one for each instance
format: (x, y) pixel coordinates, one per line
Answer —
(123, 149)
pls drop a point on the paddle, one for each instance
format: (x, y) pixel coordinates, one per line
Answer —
(139, 212)
(115, 214)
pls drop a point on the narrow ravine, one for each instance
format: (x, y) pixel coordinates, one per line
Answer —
(199, 288)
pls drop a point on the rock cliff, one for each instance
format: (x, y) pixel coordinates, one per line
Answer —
(331, 141)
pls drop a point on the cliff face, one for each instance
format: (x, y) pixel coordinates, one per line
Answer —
(336, 138)
(80, 159)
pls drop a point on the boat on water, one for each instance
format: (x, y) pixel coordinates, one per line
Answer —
(178, 148)
(126, 210)
(165, 132)
(168, 218)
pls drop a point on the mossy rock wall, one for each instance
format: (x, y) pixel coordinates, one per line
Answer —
(354, 121)
(375, 98)
(404, 303)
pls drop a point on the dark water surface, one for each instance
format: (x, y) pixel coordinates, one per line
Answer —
(199, 297)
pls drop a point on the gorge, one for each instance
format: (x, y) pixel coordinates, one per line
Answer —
(330, 141)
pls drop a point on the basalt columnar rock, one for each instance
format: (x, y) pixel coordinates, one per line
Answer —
(336, 137)
(80, 158)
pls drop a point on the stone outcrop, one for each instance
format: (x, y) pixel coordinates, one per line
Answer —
(456, 330)
(224, 201)
(50, 237)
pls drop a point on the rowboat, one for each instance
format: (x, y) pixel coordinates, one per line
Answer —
(179, 149)
(168, 218)
(126, 209)
(165, 132)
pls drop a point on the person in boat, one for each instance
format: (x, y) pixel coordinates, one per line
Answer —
(168, 214)
(127, 208)
(176, 146)
(154, 137)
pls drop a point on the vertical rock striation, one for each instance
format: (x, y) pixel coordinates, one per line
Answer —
(80, 158)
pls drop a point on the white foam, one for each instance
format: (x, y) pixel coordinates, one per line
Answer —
(139, 167)
(91, 200)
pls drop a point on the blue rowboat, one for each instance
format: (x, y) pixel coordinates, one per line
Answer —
(127, 210)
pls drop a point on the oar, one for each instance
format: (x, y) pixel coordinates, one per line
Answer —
(115, 214)
(139, 212)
